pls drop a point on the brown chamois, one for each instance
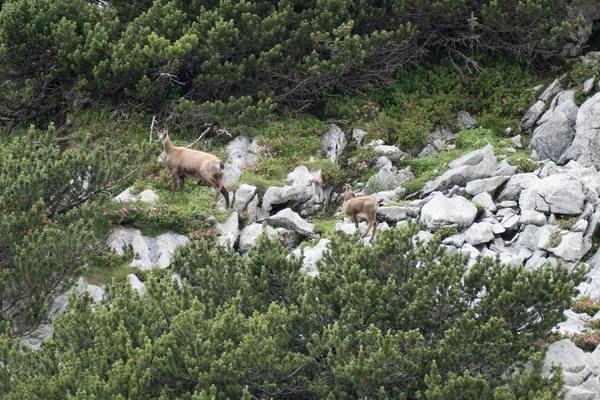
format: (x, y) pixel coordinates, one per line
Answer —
(187, 163)
(366, 205)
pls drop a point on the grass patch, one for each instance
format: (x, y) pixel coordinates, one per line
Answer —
(103, 276)
(325, 228)
(105, 266)
(428, 168)
(261, 183)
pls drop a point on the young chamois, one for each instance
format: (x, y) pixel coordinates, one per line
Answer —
(187, 163)
(366, 205)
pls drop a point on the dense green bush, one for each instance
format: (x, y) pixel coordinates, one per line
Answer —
(240, 59)
(395, 320)
(46, 223)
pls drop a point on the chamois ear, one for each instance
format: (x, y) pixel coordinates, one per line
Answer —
(162, 134)
(348, 187)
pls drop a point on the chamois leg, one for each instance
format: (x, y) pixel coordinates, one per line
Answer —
(355, 218)
(181, 181)
(217, 188)
(373, 222)
(174, 183)
(225, 194)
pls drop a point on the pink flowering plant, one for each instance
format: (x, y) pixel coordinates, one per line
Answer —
(586, 305)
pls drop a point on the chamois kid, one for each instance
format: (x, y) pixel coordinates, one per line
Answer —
(365, 205)
(187, 163)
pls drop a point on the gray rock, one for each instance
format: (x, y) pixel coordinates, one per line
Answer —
(510, 222)
(516, 142)
(287, 195)
(455, 240)
(556, 128)
(579, 393)
(383, 162)
(588, 85)
(358, 135)
(390, 195)
(478, 164)
(391, 152)
(465, 121)
(585, 148)
(485, 200)
(537, 260)
(242, 151)
(250, 234)
(507, 204)
(149, 252)
(505, 169)
(565, 353)
(552, 90)
(487, 185)
(136, 284)
(349, 228)
(333, 143)
(580, 226)
(397, 213)
(228, 231)
(533, 217)
(479, 233)
(428, 150)
(572, 247)
(441, 211)
(557, 194)
(243, 196)
(533, 114)
(287, 218)
(575, 322)
(126, 196)
(35, 338)
(311, 256)
(148, 196)
(386, 179)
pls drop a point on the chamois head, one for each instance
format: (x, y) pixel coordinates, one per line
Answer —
(162, 134)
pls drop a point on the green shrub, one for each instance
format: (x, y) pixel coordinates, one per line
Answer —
(586, 341)
(241, 326)
(586, 305)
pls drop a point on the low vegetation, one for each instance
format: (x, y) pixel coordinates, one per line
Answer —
(81, 87)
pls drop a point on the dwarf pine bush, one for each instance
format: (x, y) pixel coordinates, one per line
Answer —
(399, 320)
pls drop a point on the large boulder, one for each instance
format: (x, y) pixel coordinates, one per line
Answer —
(556, 194)
(311, 255)
(250, 234)
(441, 211)
(565, 353)
(516, 184)
(556, 127)
(333, 143)
(228, 231)
(533, 114)
(287, 218)
(585, 148)
(242, 151)
(243, 195)
(149, 252)
(387, 178)
(478, 164)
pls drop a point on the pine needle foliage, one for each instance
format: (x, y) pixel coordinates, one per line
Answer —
(399, 319)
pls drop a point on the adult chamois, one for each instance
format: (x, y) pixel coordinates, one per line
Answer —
(365, 205)
(187, 163)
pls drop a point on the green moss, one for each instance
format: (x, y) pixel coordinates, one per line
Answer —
(324, 228)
